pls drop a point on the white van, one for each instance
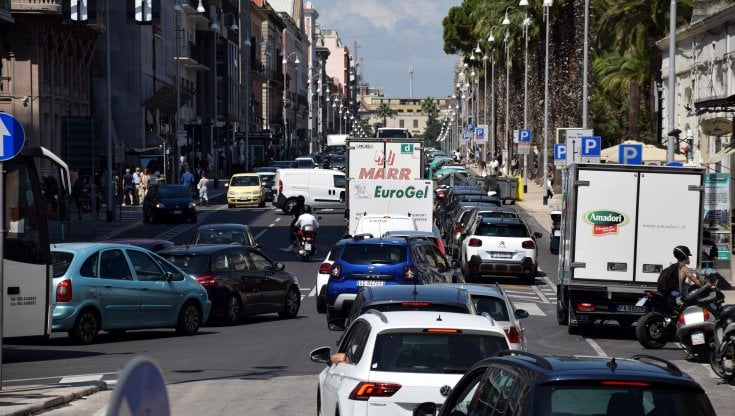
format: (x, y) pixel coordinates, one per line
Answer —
(321, 188)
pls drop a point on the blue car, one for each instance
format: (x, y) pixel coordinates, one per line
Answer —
(369, 262)
(116, 287)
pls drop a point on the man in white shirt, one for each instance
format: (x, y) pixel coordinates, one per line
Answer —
(306, 218)
(136, 184)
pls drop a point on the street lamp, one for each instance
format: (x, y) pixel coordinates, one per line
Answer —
(491, 39)
(526, 22)
(287, 139)
(507, 100)
(547, 5)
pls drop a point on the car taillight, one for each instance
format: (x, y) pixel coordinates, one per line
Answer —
(528, 244)
(63, 291)
(367, 389)
(207, 280)
(280, 186)
(514, 337)
(474, 242)
(457, 228)
(440, 196)
(324, 268)
(409, 273)
(625, 383)
(586, 307)
(335, 272)
(414, 304)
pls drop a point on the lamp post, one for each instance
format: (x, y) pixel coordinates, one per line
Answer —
(507, 102)
(547, 5)
(491, 39)
(286, 138)
(526, 22)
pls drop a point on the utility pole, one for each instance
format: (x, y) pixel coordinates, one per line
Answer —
(410, 81)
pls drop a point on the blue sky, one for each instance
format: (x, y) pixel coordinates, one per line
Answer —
(394, 35)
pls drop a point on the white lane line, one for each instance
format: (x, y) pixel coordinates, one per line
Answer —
(48, 378)
(271, 225)
(257, 236)
(540, 294)
(81, 378)
(278, 219)
(312, 292)
(531, 308)
(595, 346)
(523, 297)
(551, 284)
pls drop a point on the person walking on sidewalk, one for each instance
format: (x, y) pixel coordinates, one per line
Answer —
(202, 186)
(128, 187)
(187, 181)
(136, 186)
(550, 183)
(145, 181)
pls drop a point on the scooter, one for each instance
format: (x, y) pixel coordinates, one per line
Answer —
(695, 329)
(722, 356)
(306, 242)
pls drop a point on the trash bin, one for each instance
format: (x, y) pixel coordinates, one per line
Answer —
(488, 183)
(555, 232)
(507, 189)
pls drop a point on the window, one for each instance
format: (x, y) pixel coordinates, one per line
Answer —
(60, 262)
(169, 269)
(502, 230)
(415, 124)
(401, 123)
(145, 268)
(353, 344)
(495, 307)
(339, 181)
(259, 262)
(22, 240)
(190, 263)
(89, 267)
(239, 260)
(374, 254)
(496, 397)
(113, 265)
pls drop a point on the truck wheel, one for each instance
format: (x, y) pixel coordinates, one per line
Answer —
(561, 313)
(572, 328)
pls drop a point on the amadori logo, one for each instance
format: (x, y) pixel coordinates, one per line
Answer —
(605, 222)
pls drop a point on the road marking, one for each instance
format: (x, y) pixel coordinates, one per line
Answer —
(595, 346)
(257, 236)
(278, 219)
(540, 294)
(313, 291)
(271, 225)
(289, 248)
(81, 378)
(523, 297)
(551, 284)
(531, 308)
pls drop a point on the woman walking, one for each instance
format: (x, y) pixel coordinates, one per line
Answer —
(202, 186)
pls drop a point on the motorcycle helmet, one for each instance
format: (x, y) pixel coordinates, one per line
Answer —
(682, 252)
(307, 209)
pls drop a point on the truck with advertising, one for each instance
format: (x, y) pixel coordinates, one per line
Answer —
(385, 177)
(619, 226)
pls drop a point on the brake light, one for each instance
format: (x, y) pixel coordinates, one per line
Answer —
(308, 238)
(442, 331)
(414, 304)
(474, 242)
(528, 244)
(63, 291)
(207, 280)
(409, 273)
(367, 389)
(457, 228)
(586, 307)
(625, 383)
(335, 272)
(514, 336)
(325, 268)
(440, 196)
(280, 186)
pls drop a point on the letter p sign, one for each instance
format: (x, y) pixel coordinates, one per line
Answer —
(591, 146)
(630, 154)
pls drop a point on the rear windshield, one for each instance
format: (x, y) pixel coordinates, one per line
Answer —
(60, 261)
(393, 133)
(494, 307)
(502, 230)
(222, 237)
(598, 400)
(433, 352)
(374, 254)
(498, 214)
(245, 181)
(416, 306)
(196, 265)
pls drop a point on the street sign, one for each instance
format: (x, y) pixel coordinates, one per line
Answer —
(573, 138)
(470, 127)
(480, 135)
(560, 154)
(590, 147)
(630, 154)
(524, 136)
(524, 148)
(465, 136)
(140, 390)
(12, 135)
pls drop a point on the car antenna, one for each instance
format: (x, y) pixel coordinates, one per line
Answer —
(439, 318)
(414, 291)
(612, 364)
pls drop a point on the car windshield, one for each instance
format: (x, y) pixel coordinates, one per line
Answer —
(193, 264)
(374, 254)
(268, 179)
(577, 400)
(245, 181)
(495, 307)
(221, 237)
(173, 192)
(429, 352)
(305, 163)
(60, 260)
(393, 133)
(501, 230)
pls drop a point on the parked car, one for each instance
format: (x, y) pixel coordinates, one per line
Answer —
(224, 233)
(382, 262)
(389, 362)
(117, 287)
(239, 280)
(337, 162)
(170, 202)
(245, 189)
(152, 244)
(528, 384)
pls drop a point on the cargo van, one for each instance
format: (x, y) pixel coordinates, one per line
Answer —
(321, 188)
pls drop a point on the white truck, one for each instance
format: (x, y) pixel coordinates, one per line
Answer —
(385, 177)
(336, 143)
(619, 226)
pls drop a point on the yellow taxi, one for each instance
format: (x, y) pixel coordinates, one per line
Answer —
(245, 189)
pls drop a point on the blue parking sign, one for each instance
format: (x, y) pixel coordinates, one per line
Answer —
(470, 127)
(630, 154)
(560, 153)
(591, 146)
(524, 136)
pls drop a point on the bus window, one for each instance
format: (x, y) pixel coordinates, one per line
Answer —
(22, 241)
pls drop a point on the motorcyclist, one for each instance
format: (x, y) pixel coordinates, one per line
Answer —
(687, 277)
(307, 218)
(296, 211)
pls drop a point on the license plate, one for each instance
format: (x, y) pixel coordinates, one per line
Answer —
(697, 338)
(642, 301)
(501, 255)
(370, 283)
(177, 211)
(243, 199)
(630, 308)
(307, 246)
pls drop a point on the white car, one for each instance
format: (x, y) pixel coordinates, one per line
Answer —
(500, 247)
(322, 276)
(378, 224)
(388, 363)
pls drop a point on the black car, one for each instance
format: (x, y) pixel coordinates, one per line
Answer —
(239, 280)
(224, 233)
(269, 178)
(168, 202)
(520, 383)
(407, 298)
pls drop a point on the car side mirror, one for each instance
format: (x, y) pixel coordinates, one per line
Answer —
(321, 355)
(521, 313)
(280, 266)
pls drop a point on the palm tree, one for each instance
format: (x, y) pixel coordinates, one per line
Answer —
(384, 111)
(429, 107)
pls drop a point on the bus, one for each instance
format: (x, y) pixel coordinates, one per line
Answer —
(36, 201)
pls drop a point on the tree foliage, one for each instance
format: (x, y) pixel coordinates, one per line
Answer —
(384, 111)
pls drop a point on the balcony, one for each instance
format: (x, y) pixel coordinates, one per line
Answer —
(35, 6)
(190, 8)
(190, 57)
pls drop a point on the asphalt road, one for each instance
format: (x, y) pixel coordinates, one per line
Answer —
(261, 366)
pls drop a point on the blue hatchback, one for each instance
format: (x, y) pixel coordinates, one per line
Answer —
(382, 262)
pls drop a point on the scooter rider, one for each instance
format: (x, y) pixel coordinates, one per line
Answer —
(687, 277)
(307, 218)
(296, 211)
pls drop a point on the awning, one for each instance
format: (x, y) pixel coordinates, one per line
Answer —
(164, 99)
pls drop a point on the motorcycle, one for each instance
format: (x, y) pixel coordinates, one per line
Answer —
(722, 356)
(659, 325)
(305, 242)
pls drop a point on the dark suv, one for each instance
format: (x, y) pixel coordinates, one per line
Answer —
(520, 383)
(366, 262)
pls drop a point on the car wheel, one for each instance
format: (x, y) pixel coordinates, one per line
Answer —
(190, 318)
(292, 304)
(289, 205)
(232, 309)
(86, 327)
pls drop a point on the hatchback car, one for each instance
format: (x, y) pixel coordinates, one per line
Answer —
(168, 202)
(522, 384)
(245, 189)
(152, 244)
(224, 233)
(322, 276)
(240, 280)
(387, 363)
(116, 287)
(383, 262)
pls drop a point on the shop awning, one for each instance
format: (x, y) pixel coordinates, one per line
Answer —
(164, 99)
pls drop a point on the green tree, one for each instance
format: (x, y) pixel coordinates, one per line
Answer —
(384, 111)
(433, 126)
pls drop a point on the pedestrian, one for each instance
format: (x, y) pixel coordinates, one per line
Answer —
(145, 182)
(128, 187)
(483, 169)
(202, 186)
(550, 183)
(136, 185)
(494, 166)
(514, 166)
(187, 180)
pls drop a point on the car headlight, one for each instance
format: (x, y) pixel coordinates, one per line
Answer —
(160, 205)
(192, 204)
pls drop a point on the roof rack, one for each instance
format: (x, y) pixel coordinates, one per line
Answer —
(379, 314)
(538, 360)
(669, 365)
